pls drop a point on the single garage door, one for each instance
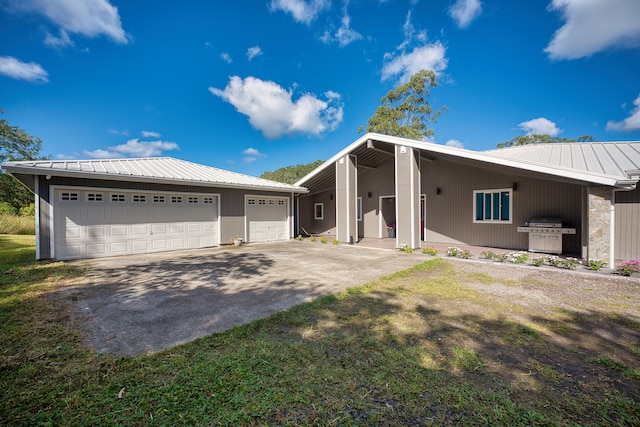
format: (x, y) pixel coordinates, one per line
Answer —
(96, 223)
(267, 218)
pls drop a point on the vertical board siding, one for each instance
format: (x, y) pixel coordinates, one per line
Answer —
(232, 203)
(627, 225)
(449, 217)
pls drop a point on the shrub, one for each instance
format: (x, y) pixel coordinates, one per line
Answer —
(567, 264)
(628, 267)
(299, 237)
(596, 264)
(7, 209)
(466, 254)
(335, 241)
(538, 262)
(28, 210)
(429, 251)
(518, 257)
(488, 254)
(453, 251)
(323, 240)
(312, 238)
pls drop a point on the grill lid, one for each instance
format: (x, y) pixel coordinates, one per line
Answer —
(545, 222)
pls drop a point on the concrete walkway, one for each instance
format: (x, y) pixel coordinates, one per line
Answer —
(147, 303)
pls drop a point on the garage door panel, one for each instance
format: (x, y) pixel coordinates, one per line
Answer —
(87, 226)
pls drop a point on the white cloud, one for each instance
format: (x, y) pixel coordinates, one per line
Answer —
(124, 132)
(408, 60)
(251, 155)
(150, 134)
(540, 126)
(454, 143)
(226, 57)
(16, 69)
(90, 18)
(254, 51)
(302, 11)
(593, 26)
(272, 110)
(134, 148)
(345, 35)
(631, 123)
(465, 11)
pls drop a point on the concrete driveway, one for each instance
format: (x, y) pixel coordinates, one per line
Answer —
(147, 303)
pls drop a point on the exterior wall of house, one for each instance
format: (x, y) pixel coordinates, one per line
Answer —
(407, 196)
(449, 215)
(379, 182)
(306, 218)
(346, 199)
(232, 208)
(627, 225)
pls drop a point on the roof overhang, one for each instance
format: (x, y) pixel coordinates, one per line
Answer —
(26, 174)
(431, 151)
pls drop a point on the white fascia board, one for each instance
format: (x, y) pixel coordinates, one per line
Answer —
(30, 170)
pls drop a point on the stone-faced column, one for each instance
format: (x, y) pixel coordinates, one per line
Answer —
(346, 199)
(407, 196)
(599, 201)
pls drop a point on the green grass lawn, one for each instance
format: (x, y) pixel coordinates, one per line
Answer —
(418, 347)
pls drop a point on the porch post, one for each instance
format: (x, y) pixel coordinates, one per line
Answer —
(407, 166)
(346, 199)
(599, 201)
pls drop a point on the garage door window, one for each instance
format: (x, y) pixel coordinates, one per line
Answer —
(94, 197)
(118, 198)
(193, 200)
(139, 198)
(207, 200)
(69, 197)
(158, 199)
(176, 199)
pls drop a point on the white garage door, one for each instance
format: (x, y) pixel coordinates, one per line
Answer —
(267, 218)
(97, 223)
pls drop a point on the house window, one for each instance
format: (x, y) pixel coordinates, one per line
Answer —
(139, 198)
(359, 208)
(69, 197)
(492, 206)
(318, 210)
(207, 200)
(158, 199)
(118, 198)
(94, 197)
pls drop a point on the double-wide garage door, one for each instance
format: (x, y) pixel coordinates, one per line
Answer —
(96, 223)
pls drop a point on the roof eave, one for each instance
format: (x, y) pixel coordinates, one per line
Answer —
(31, 170)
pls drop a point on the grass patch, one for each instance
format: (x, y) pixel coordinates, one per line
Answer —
(413, 348)
(17, 224)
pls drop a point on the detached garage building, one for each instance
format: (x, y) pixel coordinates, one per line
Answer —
(96, 208)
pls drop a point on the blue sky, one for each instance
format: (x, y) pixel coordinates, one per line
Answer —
(256, 85)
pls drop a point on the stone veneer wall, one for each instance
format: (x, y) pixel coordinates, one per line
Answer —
(599, 223)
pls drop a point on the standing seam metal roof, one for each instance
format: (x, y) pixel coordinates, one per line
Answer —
(161, 168)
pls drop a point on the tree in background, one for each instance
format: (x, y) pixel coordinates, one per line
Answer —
(542, 139)
(16, 144)
(405, 111)
(291, 174)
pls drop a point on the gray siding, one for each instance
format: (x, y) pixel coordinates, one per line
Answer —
(378, 182)
(232, 203)
(627, 225)
(449, 216)
(306, 215)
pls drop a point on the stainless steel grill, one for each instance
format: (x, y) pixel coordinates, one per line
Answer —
(545, 234)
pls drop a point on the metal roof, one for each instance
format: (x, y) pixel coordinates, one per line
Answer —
(547, 163)
(156, 169)
(608, 158)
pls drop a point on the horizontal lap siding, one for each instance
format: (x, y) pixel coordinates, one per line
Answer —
(627, 225)
(449, 217)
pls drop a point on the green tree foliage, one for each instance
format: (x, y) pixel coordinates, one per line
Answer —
(291, 174)
(16, 144)
(542, 139)
(405, 110)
